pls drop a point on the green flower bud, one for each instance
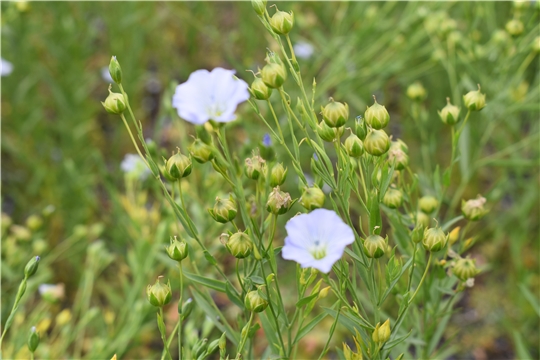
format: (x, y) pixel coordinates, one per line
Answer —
(33, 339)
(255, 302)
(114, 103)
(254, 166)
(393, 198)
(360, 128)
(312, 198)
(159, 294)
(177, 250)
(266, 150)
(353, 146)
(278, 175)
(475, 100)
(376, 143)
(259, 89)
(178, 166)
(224, 210)
(203, 133)
(398, 158)
(465, 269)
(416, 92)
(115, 70)
(201, 152)
(428, 204)
(375, 246)
(474, 209)
(417, 234)
(377, 116)
(434, 239)
(223, 346)
(31, 267)
(327, 133)
(213, 346)
(514, 27)
(422, 219)
(239, 245)
(199, 348)
(186, 308)
(335, 114)
(274, 73)
(449, 114)
(278, 202)
(382, 333)
(536, 44)
(259, 6)
(282, 22)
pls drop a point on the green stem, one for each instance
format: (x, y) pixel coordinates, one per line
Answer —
(244, 338)
(423, 278)
(20, 293)
(179, 314)
(161, 326)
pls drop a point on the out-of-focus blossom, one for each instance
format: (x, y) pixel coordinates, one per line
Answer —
(106, 75)
(133, 166)
(317, 239)
(7, 68)
(209, 95)
(52, 293)
(303, 50)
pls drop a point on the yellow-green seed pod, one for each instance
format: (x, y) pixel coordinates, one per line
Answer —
(186, 308)
(115, 70)
(375, 246)
(398, 158)
(240, 245)
(399, 144)
(201, 152)
(475, 100)
(453, 237)
(353, 145)
(376, 143)
(377, 116)
(31, 267)
(382, 333)
(159, 294)
(335, 114)
(514, 27)
(34, 222)
(278, 202)
(259, 6)
(422, 219)
(114, 103)
(33, 339)
(278, 175)
(165, 173)
(536, 44)
(416, 92)
(434, 239)
(465, 269)
(255, 302)
(177, 250)
(273, 75)
(282, 22)
(312, 198)
(450, 113)
(417, 234)
(178, 166)
(260, 90)
(428, 204)
(254, 167)
(393, 198)
(224, 210)
(327, 133)
(473, 209)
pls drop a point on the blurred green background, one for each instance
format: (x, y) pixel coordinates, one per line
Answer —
(102, 241)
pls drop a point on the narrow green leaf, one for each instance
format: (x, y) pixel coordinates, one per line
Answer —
(207, 282)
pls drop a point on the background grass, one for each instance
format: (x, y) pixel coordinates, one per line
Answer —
(104, 239)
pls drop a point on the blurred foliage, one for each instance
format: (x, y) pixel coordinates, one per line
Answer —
(60, 149)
